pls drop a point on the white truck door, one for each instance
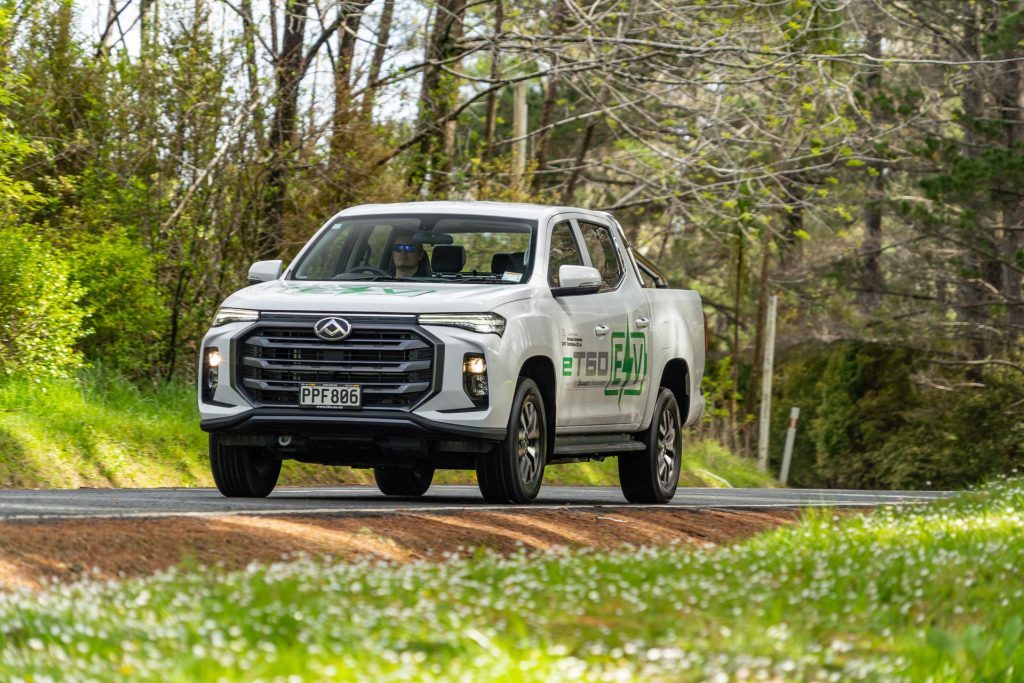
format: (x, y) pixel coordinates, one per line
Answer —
(582, 334)
(629, 314)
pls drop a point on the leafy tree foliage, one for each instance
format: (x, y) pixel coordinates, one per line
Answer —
(859, 158)
(126, 311)
(40, 321)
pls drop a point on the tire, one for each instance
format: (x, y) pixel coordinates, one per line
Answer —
(514, 470)
(652, 476)
(403, 481)
(243, 471)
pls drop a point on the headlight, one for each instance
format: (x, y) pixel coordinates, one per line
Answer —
(234, 315)
(484, 323)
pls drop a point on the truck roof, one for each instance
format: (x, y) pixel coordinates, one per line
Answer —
(536, 212)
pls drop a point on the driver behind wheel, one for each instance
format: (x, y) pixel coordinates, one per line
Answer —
(408, 259)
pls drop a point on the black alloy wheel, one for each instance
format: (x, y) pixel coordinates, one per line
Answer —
(243, 471)
(514, 470)
(403, 481)
(651, 476)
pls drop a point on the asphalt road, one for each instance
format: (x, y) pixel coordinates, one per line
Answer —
(54, 504)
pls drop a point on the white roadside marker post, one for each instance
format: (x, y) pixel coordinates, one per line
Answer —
(766, 385)
(787, 454)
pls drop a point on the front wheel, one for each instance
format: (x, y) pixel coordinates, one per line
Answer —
(512, 473)
(403, 481)
(653, 475)
(243, 471)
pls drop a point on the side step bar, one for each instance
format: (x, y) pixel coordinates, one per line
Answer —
(583, 448)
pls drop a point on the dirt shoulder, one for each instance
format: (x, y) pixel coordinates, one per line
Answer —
(34, 554)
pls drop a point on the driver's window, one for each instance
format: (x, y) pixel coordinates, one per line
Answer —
(564, 251)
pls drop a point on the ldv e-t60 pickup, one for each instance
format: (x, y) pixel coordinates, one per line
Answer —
(455, 335)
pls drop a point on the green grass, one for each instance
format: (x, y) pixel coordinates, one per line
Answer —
(921, 594)
(100, 430)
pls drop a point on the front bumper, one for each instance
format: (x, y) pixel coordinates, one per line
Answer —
(446, 413)
(357, 423)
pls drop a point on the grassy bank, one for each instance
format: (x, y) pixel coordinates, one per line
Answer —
(99, 430)
(921, 594)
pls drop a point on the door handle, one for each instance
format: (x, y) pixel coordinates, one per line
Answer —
(602, 330)
(642, 323)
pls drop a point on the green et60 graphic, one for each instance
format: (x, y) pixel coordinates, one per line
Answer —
(625, 364)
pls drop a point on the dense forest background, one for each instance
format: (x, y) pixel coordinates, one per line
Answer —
(861, 159)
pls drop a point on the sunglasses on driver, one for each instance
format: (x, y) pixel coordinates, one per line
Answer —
(406, 248)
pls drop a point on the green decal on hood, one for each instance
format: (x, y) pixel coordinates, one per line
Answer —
(343, 290)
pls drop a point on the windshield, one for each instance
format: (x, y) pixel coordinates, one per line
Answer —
(452, 248)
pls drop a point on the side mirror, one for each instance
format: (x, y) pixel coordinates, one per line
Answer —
(577, 280)
(265, 271)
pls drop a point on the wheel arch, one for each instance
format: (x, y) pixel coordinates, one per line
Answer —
(676, 376)
(541, 370)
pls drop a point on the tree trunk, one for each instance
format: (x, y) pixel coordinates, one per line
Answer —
(492, 97)
(547, 111)
(973, 293)
(577, 166)
(437, 99)
(1011, 237)
(349, 29)
(252, 69)
(288, 73)
(753, 390)
(379, 51)
(872, 281)
(588, 131)
(734, 407)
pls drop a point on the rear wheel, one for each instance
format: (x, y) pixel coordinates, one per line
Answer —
(243, 471)
(513, 472)
(653, 475)
(403, 481)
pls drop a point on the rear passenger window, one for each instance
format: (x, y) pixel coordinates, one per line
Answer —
(564, 251)
(598, 240)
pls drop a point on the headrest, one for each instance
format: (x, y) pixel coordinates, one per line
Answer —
(448, 258)
(505, 261)
(501, 262)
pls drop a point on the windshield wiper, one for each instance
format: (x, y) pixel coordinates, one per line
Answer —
(494, 279)
(374, 278)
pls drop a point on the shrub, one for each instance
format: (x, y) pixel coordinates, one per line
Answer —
(864, 390)
(127, 312)
(952, 439)
(866, 423)
(40, 320)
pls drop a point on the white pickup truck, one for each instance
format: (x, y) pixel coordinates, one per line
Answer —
(455, 335)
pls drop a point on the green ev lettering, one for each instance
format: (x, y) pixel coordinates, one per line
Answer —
(629, 364)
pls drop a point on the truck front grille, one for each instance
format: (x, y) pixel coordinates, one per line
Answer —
(394, 365)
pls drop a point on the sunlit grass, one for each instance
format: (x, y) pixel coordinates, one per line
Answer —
(924, 593)
(101, 430)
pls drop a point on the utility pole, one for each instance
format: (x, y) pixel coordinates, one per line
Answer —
(519, 115)
(787, 452)
(766, 385)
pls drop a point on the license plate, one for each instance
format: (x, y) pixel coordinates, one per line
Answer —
(329, 396)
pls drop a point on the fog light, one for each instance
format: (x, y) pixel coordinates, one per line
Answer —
(474, 378)
(474, 364)
(211, 372)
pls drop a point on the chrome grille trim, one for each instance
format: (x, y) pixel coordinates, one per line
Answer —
(394, 363)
